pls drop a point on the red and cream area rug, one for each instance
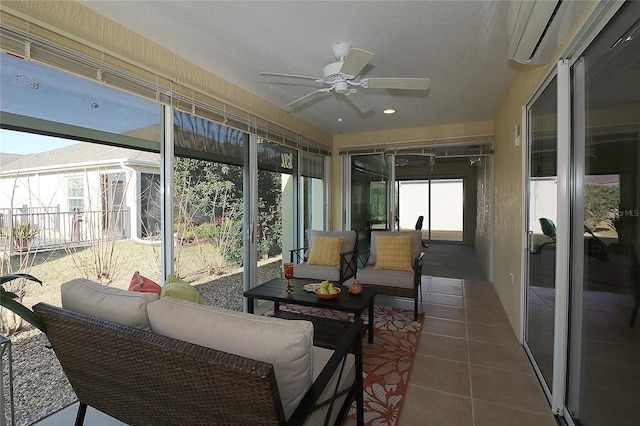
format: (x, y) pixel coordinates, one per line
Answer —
(386, 363)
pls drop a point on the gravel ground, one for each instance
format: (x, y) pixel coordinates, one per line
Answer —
(40, 386)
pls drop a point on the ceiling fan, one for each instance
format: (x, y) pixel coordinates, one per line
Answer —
(343, 77)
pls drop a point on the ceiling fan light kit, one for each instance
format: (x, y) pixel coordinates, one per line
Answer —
(343, 77)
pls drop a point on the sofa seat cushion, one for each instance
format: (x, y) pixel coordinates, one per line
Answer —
(287, 345)
(402, 279)
(304, 270)
(320, 358)
(108, 303)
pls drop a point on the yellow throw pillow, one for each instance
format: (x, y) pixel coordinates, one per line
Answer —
(180, 289)
(325, 251)
(394, 253)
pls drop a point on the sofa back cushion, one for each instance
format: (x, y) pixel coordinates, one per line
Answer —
(348, 242)
(180, 289)
(143, 284)
(416, 243)
(394, 253)
(287, 345)
(109, 303)
(325, 251)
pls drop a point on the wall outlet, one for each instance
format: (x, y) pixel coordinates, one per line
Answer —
(512, 278)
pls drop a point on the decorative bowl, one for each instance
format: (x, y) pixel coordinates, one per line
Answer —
(328, 296)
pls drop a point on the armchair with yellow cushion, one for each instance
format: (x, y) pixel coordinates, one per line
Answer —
(394, 265)
(331, 255)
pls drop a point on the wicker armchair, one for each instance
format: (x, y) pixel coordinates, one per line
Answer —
(143, 378)
(402, 283)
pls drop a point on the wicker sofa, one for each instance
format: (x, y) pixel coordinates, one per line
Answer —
(145, 360)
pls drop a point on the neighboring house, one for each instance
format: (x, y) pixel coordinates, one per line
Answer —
(81, 192)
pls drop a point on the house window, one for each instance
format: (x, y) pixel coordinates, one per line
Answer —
(75, 193)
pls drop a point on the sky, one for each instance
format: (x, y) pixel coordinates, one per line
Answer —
(12, 142)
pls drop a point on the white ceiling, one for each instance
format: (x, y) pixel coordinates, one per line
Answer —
(460, 45)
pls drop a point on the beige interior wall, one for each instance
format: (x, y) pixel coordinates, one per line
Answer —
(507, 182)
(507, 194)
(79, 23)
(484, 215)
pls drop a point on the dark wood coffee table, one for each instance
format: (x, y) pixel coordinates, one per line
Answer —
(275, 290)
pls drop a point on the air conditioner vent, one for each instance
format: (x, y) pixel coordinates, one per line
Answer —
(529, 22)
(544, 32)
(538, 27)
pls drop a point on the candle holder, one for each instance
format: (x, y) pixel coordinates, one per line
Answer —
(288, 274)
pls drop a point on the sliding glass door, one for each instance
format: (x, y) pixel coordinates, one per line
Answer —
(541, 231)
(582, 290)
(440, 202)
(370, 196)
(277, 220)
(311, 193)
(604, 378)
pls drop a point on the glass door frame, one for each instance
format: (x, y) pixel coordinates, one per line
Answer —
(577, 238)
(251, 216)
(557, 393)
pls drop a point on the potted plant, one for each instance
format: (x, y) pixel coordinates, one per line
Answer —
(8, 300)
(21, 233)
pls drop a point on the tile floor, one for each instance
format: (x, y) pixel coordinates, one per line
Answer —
(469, 368)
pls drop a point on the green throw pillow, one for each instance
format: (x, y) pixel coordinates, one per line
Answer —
(180, 289)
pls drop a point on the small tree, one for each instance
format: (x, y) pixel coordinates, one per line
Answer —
(102, 223)
(14, 270)
(208, 207)
(600, 203)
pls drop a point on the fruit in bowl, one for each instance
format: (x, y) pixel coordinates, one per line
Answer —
(327, 290)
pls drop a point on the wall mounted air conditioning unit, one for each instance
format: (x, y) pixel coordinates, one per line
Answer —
(538, 27)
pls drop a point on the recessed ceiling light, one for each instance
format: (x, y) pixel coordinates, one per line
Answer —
(389, 111)
(340, 119)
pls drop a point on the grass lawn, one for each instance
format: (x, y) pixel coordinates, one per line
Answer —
(196, 264)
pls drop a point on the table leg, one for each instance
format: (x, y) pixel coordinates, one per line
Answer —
(250, 305)
(371, 327)
(276, 306)
(359, 383)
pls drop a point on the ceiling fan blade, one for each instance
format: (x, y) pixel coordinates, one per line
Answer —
(276, 74)
(309, 97)
(397, 83)
(360, 101)
(355, 61)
